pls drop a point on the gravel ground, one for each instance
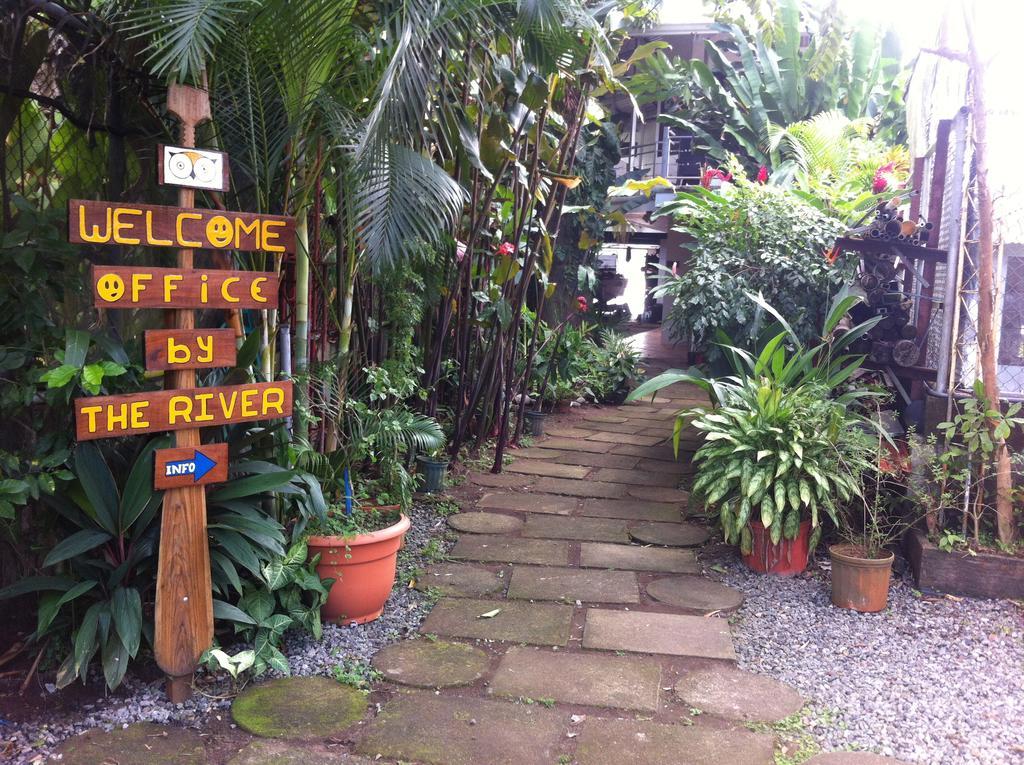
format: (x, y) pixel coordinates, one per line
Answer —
(138, 701)
(931, 680)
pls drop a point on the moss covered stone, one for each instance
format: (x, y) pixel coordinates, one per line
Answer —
(139, 744)
(298, 708)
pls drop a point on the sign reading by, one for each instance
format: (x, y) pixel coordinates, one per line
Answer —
(139, 287)
(190, 348)
(193, 168)
(184, 227)
(190, 466)
(137, 413)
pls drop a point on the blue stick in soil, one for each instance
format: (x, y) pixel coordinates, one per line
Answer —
(348, 494)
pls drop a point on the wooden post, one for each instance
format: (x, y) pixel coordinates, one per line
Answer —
(184, 593)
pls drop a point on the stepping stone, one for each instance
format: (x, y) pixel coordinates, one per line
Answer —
(636, 558)
(680, 468)
(485, 523)
(138, 744)
(529, 503)
(622, 427)
(659, 494)
(657, 452)
(853, 758)
(595, 680)
(461, 580)
(670, 534)
(515, 622)
(572, 584)
(431, 663)
(500, 480)
(498, 549)
(568, 432)
(739, 695)
(631, 510)
(696, 594)
(261, 752)
(584, 529)
(541, 467)
(672, 634)
(535, 453)
(635, 477)
(580, 488)
(622, 461)
(599, 417)
(605, 740)
(625, 438)
(575, 445)
(298, 708)
(446, 730)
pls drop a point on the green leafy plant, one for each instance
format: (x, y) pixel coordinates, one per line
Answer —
(616, 368)
(357, 674)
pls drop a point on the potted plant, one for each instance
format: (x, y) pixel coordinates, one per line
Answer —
(535, 421)
(434, 469)
(617, 368)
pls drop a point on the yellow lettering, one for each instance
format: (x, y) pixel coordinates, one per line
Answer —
(224, 289)
(182, 217)
(118, 419)
(268, 235)
(203, 415)
(138, 415)
(179, 406)
(277, 404)
(120, 226)
(248, 410)
(91, 412)
(205, 343)
(252, 229)
(150, 236)
(228, 405)
(139, 285)
(178, 353)
(204, 290)
(170, 285)
(94, 236)
(256, 291)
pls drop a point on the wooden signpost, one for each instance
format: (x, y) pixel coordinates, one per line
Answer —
(184, 595)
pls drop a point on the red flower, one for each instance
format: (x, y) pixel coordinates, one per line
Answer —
(884, 178)
(713, 174)
(506, 248)
(762, 174)
(581, 304)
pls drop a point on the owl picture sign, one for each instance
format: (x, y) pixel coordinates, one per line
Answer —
(193, 168)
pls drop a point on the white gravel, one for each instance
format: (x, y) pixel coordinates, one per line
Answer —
(931, 680)
(138, 701)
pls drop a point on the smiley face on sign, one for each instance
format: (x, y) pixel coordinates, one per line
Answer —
(219, 231)
(110, 287)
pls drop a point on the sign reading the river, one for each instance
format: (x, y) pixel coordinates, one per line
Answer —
(190, 466)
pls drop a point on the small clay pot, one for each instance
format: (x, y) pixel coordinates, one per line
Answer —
(787, 558)
(858, 582)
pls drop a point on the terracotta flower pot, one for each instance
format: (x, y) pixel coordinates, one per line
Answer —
(858, 582)
(363, 570)
(787, 558)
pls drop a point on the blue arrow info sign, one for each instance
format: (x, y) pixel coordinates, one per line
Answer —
(190, 466)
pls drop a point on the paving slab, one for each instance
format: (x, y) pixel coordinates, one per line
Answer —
(629, 427)
(602, 417)
(656, 452)
(565, 431)
(445, 730)
(853, 758)
(515, 622)
(622, 461)
(582, 529)
(598, 680)
(529, 503)
(671, 534)
(572, 584)
(545, 468)
(431, 663)
(501, 549)
(672, 634)
(635, 477)
(298, 708)
(739, 695)
(632, 510)
(680, 467)
(485, 523)
(606, 741)
(575, 445)
(637, 558)
(269, 752)
(625, 438)
(500, 480)
(696, 594)
(659, 494)
(535, 453)
(138, 744)
(461, 580)
(580, 488)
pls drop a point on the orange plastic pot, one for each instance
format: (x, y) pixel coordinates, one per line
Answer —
(363, 570)
(858, 582)
(787, 558)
